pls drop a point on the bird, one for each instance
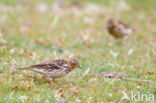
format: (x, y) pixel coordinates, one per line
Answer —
(54, 68)
(118, 29)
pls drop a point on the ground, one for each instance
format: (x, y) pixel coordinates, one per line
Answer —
(32, 31)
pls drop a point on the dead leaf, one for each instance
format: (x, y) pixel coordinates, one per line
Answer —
(115, 89)
(136, 28)
(37, 91)
(12, 51)
(42, 7)
(28, 87)
(60, 90)
(93, 80)
(41, 41)
(12, 69)
(111, 95)
(48, 85)
(21, 51)
(63, 95)
(23, 98)
(14, 87)
(138, 87)
(91, 7)
(77, 100)
(25, 30)
(61, 42)
(61, 101)
(130, 51)
(77, 4)
(89, 20)
(114, 54)
(74, 90)
(150, 73)
(25, 74)
(86, 37)
(24, 85)
(2, 41)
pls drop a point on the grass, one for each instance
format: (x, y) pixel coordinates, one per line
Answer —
(29, 36)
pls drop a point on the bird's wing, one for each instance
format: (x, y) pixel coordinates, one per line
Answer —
(53, 64)
(61, 62)
(125, 25)
(46, 66)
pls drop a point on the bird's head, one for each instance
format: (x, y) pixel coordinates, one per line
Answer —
(112, 23)
(73, 63)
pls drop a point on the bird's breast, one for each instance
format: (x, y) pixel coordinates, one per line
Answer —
(58, 73)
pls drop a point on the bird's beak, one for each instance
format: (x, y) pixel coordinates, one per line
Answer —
(80, 67)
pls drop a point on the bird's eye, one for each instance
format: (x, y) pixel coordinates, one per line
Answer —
(74, 63)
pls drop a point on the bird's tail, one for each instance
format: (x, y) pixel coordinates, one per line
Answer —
(24, 68)
(13, 69)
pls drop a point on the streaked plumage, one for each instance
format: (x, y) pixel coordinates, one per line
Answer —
(54, 68)
(118, 29)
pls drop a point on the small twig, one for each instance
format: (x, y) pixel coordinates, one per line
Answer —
(138, 80)
(117, 75)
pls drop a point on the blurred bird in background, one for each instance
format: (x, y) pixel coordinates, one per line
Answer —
(118, 29)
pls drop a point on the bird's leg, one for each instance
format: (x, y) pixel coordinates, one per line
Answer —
(54, 80)
(48, 79)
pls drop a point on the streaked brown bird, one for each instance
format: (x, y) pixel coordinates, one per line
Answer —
(118, 29)
(54, 68)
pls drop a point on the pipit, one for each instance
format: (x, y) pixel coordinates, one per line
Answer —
(54, 68)
(118, 29)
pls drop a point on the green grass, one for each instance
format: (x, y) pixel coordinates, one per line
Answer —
(47, 35)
